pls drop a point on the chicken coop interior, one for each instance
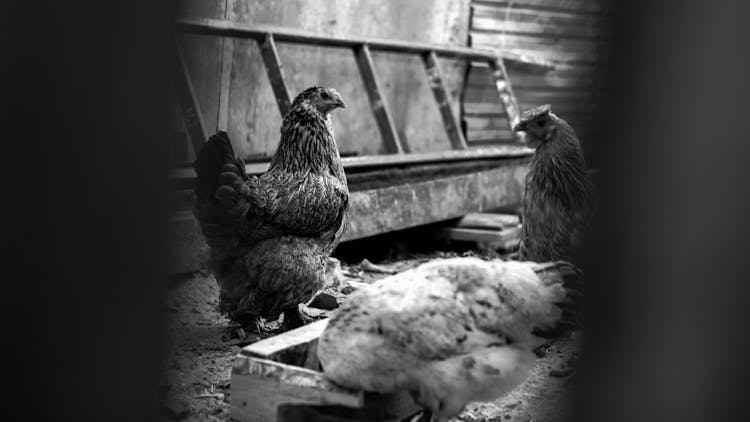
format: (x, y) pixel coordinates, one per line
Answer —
(441, 98)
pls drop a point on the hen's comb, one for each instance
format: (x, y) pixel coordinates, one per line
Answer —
(535, 112)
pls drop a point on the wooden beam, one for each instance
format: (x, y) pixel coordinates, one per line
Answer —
(227, 59)
(435, 77)
(478, 220)
(275, 72)
(228, 28)
(183, 176)
(505, 91)
(189, 102)
(393, 208)
(294, 347)
(379, 106)
(259, 386)
(506, 239)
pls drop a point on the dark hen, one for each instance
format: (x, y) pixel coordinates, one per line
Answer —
(558, 201)
(270, 236)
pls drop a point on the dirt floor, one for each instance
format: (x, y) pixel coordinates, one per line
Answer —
(203, 343)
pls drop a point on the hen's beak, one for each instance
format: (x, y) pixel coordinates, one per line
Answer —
(339, 102)
(519, 127)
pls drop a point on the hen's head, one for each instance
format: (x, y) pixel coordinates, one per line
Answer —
(539, 124)
(323, 99)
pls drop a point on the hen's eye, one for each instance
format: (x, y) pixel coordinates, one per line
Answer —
(325, 96)
(541, 123)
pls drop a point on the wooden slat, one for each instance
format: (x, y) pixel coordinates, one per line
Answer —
(189, 102)
(593, 7)
(227, 58)
(562, 50)
(507, 239)
(435, 78)
(379, 106)
(492, 221)
(538, 23)
(259, 386)
(184, 175)
(505, 91)
(275, 73)
(295, 347)
(376, 211)
(239, 30)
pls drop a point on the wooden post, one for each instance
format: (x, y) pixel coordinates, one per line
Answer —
(379, 107)
(505, 91)
(275, 73)
(189, 102)
(435, 77)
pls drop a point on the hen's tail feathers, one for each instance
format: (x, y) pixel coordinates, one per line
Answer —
(219, 207)
(571, 279)
(210, 163)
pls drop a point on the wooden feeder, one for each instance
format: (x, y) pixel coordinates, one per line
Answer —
(280, 379)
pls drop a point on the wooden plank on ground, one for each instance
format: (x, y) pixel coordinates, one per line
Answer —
(294, 347)
(275, 73)
(506, 239)
(491, 221)
(435, 77)
(379, 106)
(259, 386)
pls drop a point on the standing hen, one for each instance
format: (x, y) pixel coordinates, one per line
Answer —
(270, 236)
(558, 201)
(450, 331)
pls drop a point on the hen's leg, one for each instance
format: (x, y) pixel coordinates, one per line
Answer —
(294, 318)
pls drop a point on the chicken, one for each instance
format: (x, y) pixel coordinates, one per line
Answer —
(450, 331)
(270, 236)
(558, 201)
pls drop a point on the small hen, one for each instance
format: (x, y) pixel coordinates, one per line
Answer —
(558, 201)
(270, 236)
(450, 331)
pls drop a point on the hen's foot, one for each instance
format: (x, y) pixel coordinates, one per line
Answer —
(294, 318)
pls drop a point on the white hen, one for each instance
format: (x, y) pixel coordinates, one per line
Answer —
(450, 331)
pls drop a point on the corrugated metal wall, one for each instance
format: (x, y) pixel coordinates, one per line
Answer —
(574, 34)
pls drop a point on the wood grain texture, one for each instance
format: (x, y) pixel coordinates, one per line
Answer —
(379, 106)
(444, 100)
(259, 386)
(575, 34)
(275, 72)
(478, 220)
(399, 207)
(253, 119)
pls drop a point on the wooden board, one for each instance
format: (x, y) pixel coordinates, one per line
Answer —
(267, 386)
(252, 117)
(381, 210)
(575, 34)
(490, 221)
(505, 240)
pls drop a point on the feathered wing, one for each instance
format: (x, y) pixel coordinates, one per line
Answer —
(235, 209)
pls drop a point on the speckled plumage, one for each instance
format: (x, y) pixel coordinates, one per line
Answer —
(450, 331)
(270, 236)
(558, 200)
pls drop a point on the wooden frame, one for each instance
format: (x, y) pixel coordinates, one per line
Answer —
(279, 379)
(266, 37)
